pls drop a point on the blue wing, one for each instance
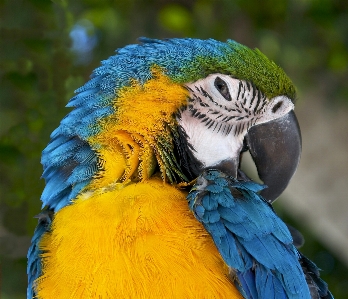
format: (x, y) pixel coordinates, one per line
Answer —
(250, 237)
(34, 260)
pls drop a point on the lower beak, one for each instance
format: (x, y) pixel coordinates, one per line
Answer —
(275, 147)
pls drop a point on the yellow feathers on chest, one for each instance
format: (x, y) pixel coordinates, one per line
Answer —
(137, 241)
(129, 234)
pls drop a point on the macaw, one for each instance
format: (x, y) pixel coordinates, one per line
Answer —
(144, 194)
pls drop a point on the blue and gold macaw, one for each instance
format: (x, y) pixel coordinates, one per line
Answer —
(144, 194)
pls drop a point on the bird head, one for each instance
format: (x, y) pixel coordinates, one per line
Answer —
(227, 116)
(175, 108)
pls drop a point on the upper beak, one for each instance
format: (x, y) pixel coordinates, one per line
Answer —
(275, 147)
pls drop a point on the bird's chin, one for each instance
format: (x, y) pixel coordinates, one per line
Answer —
(228, 167)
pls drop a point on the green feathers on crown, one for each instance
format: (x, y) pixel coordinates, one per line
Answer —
(251, 65)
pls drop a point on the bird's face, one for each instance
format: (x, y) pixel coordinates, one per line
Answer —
(227, 116)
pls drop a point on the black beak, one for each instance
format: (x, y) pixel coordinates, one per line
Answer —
(276, 149)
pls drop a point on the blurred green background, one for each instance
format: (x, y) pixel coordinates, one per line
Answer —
(49, 48)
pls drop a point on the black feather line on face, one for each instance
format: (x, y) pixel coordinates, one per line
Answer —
(230, 117)
(183, 151)
(253, 96)
(219, 128)
(188, 88)
(214, 112)
(206, 94)
(239, 89)
(262, 106)
(230, 127)
(203, 104)
(259, 96)
(244, 102)
(211, 124)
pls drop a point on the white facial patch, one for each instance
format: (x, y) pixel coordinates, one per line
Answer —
(210, 146)
(220, 111)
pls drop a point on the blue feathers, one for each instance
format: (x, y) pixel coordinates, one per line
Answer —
(251, 238)
(69, 165)
(271, 286)
(69, 161)
(34, 261)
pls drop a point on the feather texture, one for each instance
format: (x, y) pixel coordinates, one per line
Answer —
(182, 61)
(34, 263)
(117, 225)
(251, 238)
(138, 241)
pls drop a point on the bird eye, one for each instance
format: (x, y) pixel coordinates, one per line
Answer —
(277, 106)
(221, 86)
